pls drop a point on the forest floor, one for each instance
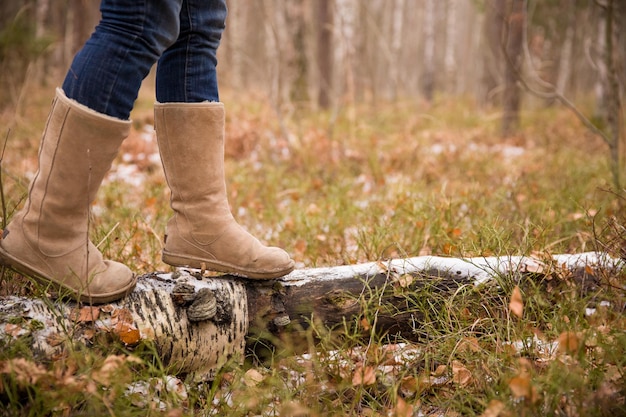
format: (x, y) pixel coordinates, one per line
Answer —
(367, 183)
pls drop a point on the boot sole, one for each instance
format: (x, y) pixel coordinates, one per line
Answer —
(196, 263)
(19, 267)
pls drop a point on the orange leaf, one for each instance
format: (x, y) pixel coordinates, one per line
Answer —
(516, 305)
(568, 342)
(522, 387)
(128, 334)
(365, 324)
(300, 246)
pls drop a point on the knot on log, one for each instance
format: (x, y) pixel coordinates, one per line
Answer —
(341, 300)
(281, 320)
(204, 306)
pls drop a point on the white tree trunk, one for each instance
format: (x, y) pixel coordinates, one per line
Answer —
(449, 60)
(428, 77)
(565, 61)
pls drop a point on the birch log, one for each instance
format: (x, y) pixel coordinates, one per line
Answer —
(197, 323)
(154, 311)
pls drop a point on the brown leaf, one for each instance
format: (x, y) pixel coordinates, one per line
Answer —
(494, 409)
(13, 329)
(522, 387)
(109, 369)
(403, 409)
(405, 281)
(87, 314)
(469, 344)
(534, 266)
(460, 374)
(516, 305)
(55, 339)
(568, 342)
(24, 371)
(364, 376)
(294, 408)
(252, 378)
(410, 384)
(121, 315)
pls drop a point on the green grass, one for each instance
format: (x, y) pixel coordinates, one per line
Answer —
(390, 180)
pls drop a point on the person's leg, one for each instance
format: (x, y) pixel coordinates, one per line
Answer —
(48, 238)
(186, 72)
(189, 122)
(107, 72)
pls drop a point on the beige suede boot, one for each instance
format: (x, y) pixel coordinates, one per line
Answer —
(48, 239)
(202, 233)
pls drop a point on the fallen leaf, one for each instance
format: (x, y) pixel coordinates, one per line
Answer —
(294, 408)
(55, 339)
(494, 409)
(107, 308)
(460, 374)
(469, 344)
(128, 333)
(409, 385)
(440, 370)
(522, 387)
(365, 324)
(300, 246)
(403, 409)
(122, 315)
(405, 281)
(364, 376)
(252, 378)
(12, 329)
(534, 266)
(87, 314)
(24, 371)
(568, 342)
(516, 305)
(108, 370)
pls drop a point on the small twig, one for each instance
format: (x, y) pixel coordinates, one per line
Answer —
(107, 235)
(2, 200)
(567, 103)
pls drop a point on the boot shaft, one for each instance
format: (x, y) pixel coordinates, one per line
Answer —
(191, 144)
(77, 149)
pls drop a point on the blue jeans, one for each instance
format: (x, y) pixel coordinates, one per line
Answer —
(182, 35)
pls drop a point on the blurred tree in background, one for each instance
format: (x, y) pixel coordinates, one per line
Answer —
(334, 53)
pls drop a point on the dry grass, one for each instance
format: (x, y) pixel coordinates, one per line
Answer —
(391, 180)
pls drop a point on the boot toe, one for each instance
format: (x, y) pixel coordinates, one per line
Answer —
(275, 262)
(113, 283)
